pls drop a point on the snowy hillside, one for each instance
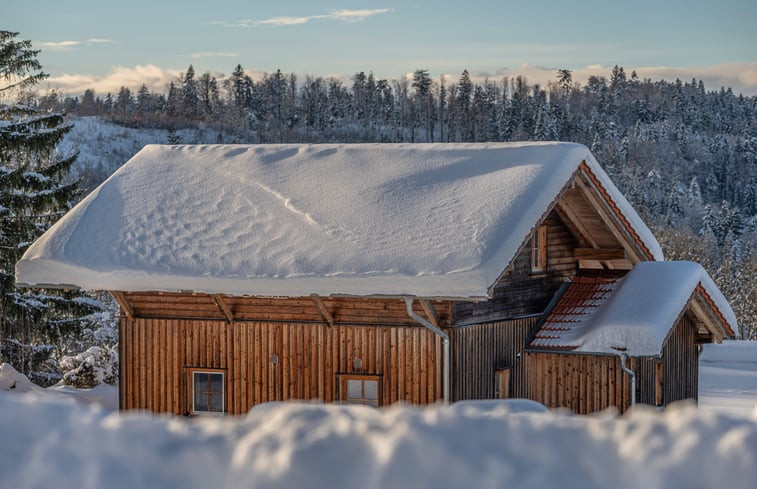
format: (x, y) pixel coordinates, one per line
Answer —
(103, 146)
(48, 441)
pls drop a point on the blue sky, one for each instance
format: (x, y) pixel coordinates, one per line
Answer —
(97, 41)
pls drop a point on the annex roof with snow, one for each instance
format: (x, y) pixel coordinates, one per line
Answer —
(429, 220)
(635, 314)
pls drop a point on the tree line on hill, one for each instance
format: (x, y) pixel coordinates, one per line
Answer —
(684, 156)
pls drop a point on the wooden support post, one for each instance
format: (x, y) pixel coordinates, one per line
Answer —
(224, 307)
(431, 314)
(325, 314)
(123, 303)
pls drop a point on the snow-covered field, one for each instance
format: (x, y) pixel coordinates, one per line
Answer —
(48, 441)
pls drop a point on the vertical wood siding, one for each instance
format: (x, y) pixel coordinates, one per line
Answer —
(156, 353)
(477, 351)
(581, 383)
(680, 363)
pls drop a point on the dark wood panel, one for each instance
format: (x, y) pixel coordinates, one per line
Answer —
(523, 293)
(478, 351)
(681, 362)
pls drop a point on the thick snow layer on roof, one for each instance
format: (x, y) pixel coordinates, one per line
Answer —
(434, 220)
(62, 445)
(637, 317)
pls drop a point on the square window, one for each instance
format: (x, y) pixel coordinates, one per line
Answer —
(207, 392)
(360, 389)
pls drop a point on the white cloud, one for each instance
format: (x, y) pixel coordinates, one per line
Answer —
(213, 54)
(59, 44)
(342, 15)
(280, 21)
(98, 40)
(347, 15)
(154, 77)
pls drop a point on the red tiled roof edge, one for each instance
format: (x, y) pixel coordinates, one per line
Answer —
(700, 289)
(585, 168)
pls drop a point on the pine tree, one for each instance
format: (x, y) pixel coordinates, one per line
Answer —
(33, 195)
(189, 93)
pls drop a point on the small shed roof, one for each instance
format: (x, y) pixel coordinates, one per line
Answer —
(433, 220)
(632, 314)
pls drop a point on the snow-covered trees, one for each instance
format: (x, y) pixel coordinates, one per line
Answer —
(33, 195)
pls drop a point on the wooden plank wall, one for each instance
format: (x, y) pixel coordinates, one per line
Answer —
(155, 354)
(646, 378)
(477, 351)
(681, 363)
(581, 383)
(520, 292)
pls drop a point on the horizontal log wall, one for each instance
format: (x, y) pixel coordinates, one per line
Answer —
(478, 351)
(156, 353)
(345, 310)
(520, 292)
(581, 383)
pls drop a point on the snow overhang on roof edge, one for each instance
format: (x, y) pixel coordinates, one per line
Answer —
(466, 284)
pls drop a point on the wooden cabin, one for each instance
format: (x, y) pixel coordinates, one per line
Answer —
(369, 274)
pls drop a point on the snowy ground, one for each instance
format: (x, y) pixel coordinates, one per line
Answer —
(728, 378)
(49, 441)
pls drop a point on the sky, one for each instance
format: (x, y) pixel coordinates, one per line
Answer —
(104, 44)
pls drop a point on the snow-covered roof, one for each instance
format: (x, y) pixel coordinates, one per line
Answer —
(432, 220)
(633, 314)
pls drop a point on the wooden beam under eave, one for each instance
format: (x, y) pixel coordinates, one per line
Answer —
(708, 320)
(573, 222)
(431, 314)
(599, 253)
(325, 314)
(123, 303)
(616, 228)
(223, 306)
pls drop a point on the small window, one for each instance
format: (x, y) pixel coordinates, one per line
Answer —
(360, 389)
(207, 392)
(539, 250)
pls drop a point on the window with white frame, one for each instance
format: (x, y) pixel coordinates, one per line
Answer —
(361, 389)
(208, 392)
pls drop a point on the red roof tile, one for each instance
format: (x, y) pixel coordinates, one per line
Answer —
(583, 296)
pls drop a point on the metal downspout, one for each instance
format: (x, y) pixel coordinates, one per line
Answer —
(445, 345)
(632, 374)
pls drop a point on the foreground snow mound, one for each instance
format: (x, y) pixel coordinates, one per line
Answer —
(13, 381)
(51, 444)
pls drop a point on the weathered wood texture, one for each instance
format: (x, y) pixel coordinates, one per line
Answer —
(521, 292)
(344, 310)
(478, 351)
(681, 362)
(589, 383)
(581, 383)
(272, 361)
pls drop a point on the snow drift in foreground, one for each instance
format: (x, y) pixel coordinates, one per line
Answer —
(49, 443)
